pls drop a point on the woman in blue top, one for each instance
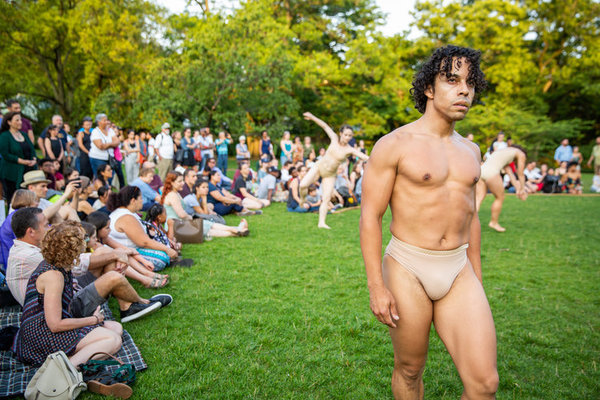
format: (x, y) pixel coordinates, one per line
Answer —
(222, 151)
(286, 148)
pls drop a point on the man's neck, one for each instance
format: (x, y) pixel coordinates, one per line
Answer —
(436, 124)
(29, 241)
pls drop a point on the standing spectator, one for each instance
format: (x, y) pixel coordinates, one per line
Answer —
(84, 142)
(285, 145)
(188, 145)
(62, 135)
(13, 105)
(131, 148)
(53, 145)
(498, 143)
(241, 150)
(143, 145)
(222, 144)
(298, 152)
(577, 157)
(266, 147)
(308, 147)
(151, 152)
(104, 140)
(164, 148)
(564, 152)
(595, 156)
(18, 153)
(206, 146)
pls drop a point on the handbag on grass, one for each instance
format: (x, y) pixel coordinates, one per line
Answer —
(97, 370)
(189, 231)
(56, 379)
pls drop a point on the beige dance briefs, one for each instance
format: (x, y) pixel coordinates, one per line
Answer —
(436, 270)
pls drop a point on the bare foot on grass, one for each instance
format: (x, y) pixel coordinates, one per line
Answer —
(496, 227)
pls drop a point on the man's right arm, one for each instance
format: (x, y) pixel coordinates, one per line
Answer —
(378, 184)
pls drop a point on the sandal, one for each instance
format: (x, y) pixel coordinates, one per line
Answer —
(242, 233)
(158, 283)
(160, 276)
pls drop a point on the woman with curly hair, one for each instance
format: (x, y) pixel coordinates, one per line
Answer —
(47, 325)
(126, 228)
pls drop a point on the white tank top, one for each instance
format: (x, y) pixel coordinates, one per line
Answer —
(121, 237)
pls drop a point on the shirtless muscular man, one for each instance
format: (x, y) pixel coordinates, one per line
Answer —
(431, 270)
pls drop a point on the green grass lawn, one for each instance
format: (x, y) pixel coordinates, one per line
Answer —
(284, 313)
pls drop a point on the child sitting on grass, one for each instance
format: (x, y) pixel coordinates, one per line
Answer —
(313, 198)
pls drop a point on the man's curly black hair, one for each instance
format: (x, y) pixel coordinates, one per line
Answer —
(441, 62)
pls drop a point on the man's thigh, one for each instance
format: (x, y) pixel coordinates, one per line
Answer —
(86, 301)
(464, 322)
(410, 338)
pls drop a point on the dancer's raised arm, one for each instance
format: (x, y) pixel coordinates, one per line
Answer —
(332, 135)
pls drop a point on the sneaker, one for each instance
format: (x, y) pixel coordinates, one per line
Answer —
(163, 298)
(137, 310)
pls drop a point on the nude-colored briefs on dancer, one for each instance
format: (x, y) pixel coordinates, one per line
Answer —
(496, 161)
(436, 270)
(327, 167)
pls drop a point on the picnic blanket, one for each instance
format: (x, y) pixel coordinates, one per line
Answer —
(14, 375)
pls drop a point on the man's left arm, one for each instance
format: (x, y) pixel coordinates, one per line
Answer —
(474, 249)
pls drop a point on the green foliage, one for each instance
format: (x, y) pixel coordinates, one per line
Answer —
(263, 64)
(70, 52)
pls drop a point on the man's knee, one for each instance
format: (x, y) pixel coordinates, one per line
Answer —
(410, 371)
(488, 384)
(111, 280)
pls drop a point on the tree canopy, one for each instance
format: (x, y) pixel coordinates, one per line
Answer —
(263, 64)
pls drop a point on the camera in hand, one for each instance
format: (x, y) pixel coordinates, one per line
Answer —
(77, 182)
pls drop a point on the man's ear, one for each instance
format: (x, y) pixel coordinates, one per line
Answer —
(429, 92)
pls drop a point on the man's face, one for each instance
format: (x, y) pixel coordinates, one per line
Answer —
(212, 163)
(565, 142)
(244, 170)
(57, 120)
(41, 229)
(48, 167)
(15, 107)
(147, 178)
(451, 97)
(191, 179)
(501, 137)
(40, 189)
